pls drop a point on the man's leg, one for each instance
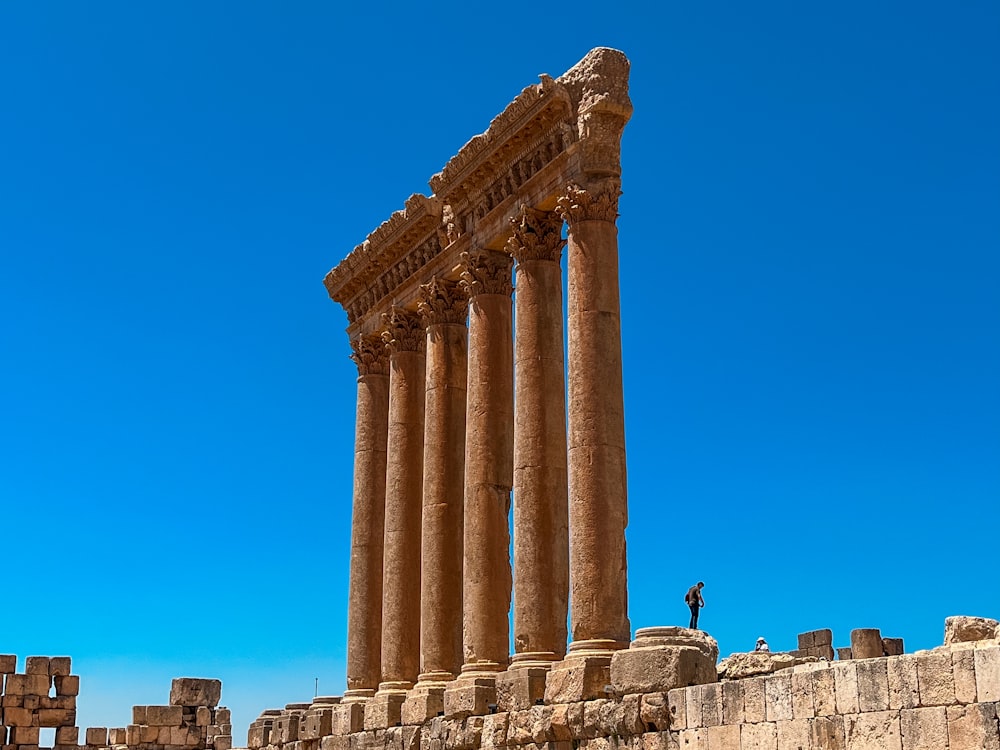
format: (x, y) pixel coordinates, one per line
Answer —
(694, 617)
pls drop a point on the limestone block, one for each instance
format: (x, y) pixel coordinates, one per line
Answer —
(845, 683)
(732, 702)
(32, 702)
(806, 640)
(223, 715)
(133, 734)
(973, 726)
(12, 701)
(223, 742)
(711, 704)
(67, 684)
(963, 670)
(902, 675)
(151, 734)
(924, 728)
(578, 678)
(384, 710)
(97, 736)
(27, 684)
(802, 695)
(763, 736)
(8, 663)
(794, 734)
(892, 646)
(873, 685)
(317, 723)
(670, 636)
(873, 731)
(139, 715)
(422, 704)
(676, 705)
(56, 717)
(692, 706)
(658, 741)
(754, 702)
(335, 742)
(822, 637)
(738, 666)
(844, 654)
(165, 735)
(163, 716)
(203, 716)
(987, 661)
(348, 718)
(258, 735)
(591, 719)
(560, 723)
(59, 666)
(37, 665)
(866, 643)
(68, 735)
(518, 689)
(494, 735)
(723, 737)
(467, 697)
(18, 717)
(778, 697)
(934, 679)
(195, 691)
(24, 735)
(649, 670)
(116, 736)
(693, 739)
(828, 733)
(285, 729)
(961, 628)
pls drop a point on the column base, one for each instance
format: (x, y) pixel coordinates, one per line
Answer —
(357, 695)
(522, 686)
(426, 700)
(384, 710)
(595, 647)
(544, 659)
(348, 718)
(581, 676)
(474, 693)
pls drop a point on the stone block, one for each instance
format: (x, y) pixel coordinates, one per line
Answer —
(317, 723)
(845, 683)
(754, 701)
(224, 716)
(892, 646)
(195, 691)
(422, 704)
(37, 665)
(258, 735)
(27, 684)
(56, 717)
(151, 734)
(723, 737)
(335, 742)
(794, 734)
(24, 735)
(866, 643)
(522, 688)
(973, 726)
(60, 666)
(762, 736)
(578, 678)
(873, 685)
(68, 735)
(348, 718)
(659, 668)
(223, 742)
(806, 640)
(802, 695)
(711, 704)
(116, 736)
(844, 654)
(384, 710)
(67, 684)
(987, 662)
(163, 716)
(285, 729)
(693, 739)
(778, 697)
(203, 716)
(902, 676)
(18, 717)
(934, 679)
(133, 734)
(873, 731)
(662, 711)
(924, 728)
(8, 663)
(964, 629)
(692, 706)
(139, 715)
(732, 702)
(97, 736)
(963, 670)
(828, 733)
(12, 701)
(32, 702)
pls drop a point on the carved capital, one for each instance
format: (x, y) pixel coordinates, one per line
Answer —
(537, 235)
(486, 272)
(370, 355)
(403, 332)
(599, 203)
(442, 301)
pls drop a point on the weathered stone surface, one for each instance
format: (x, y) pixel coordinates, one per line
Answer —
(828, 733)
(963, 628)
(578, 678)
(778, 697)
(676, 710)
(732, 702)
(802, 695)
(384, 710)
(963, 670)
(866, 643)
(762, 736)
(904, 691)
(987, 661)
(195, 691)
(873, 685)
(163, 716)
(754, 701)
(924, 728)
(8, 663)
(693, 739)
(520, 688)
(658, 669)
(723, 737)
(794, 734)
(670, 635)
(97, 736)
(347, 718)
(973, 727)
(71, 735)
(421, 704)
(845, 682)
(67, 684)
(934, 678)
(873, 731)
(740, 665)
(469, 697)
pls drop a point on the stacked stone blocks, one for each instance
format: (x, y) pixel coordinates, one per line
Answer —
(193, 720)
(43, 696)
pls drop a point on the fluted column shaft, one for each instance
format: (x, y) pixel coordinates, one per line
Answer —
(488, 460)
(541, 536)
(404, 486)
(364, 607)
(443, 307)
(596, 443)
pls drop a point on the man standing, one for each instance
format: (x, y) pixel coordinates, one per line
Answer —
(694, 601)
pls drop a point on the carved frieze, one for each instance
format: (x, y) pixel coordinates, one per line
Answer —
(486, 272)
(442, 301)
(369, 355)
(537, 235)
(598, 203)
(404, 331)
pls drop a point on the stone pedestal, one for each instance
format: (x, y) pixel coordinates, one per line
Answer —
(473, 694)
(520, 689)
(385, 709)
(424, 702)
(579, 678)
(348, 718)
(661, 659)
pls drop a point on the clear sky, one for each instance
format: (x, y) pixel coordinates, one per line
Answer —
(810, 258)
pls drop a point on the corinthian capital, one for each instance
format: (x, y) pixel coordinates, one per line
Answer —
(537, 235)
(486, 272)
(442, 301)
(369, 355)
(403, 331)
(598, 203)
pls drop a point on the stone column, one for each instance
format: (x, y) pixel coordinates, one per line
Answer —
(598, 511)
(404, 336)
(443, 307)
(541, 536)
(489, 447)
(364, 607)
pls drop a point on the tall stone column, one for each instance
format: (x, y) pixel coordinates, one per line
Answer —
(443, 307)
(598, 510)
(541, 536)
(404, 335)
(364, 607)
(489, 445)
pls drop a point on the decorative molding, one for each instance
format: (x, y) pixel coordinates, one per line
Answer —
(370, 355)
(404, 331)
(537, 235)
(442, 301)
(599, 203)
(486, 272)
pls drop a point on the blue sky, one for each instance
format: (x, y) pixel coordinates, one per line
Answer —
(810, 253)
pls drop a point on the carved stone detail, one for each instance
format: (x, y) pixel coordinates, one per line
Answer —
(442, 301)
(370, 355)
(404, 331)
(537, 235)
(486, 272)
(599, 203)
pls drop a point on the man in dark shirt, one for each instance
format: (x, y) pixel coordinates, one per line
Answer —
(694, 600)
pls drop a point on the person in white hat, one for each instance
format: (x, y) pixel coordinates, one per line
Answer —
(762, 645)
